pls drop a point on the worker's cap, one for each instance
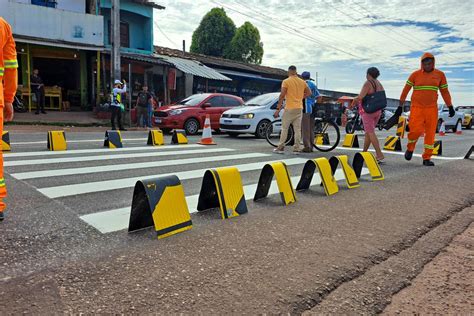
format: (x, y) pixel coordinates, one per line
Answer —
(118, 82)
(306, 75)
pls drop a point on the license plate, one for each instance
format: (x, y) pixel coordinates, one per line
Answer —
(227, 121)
(157, 120)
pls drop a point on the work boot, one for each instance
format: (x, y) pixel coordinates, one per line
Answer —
(408, 155)
(428, 163)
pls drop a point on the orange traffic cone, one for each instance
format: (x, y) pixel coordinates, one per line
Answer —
(206, 138)
(442, 129)
(459, 128)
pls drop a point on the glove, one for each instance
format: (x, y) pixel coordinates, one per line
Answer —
(451, 111)
(399, 111)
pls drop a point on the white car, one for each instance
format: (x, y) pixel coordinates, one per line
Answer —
(443, 116)
(251, 118)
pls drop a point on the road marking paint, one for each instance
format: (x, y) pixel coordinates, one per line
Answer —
(128, 166)
(42, 142)
(113, 157)
(101, 186)
(102, 150)
(399, 153)
(116, 220)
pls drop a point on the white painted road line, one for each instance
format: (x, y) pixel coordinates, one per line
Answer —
(101, 186)
(113, 157)
(399, 153)
(102, 150)
(43, 142)
(128, 166)
(116, 220)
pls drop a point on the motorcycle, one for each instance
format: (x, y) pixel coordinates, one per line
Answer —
(354, 122)
(18, 105)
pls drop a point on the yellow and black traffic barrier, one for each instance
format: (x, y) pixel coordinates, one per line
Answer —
(349, 173)
(469, 153)
(393, 143)
(351, 141)
(438, 148)
(155, 138)
(222, 188)
(57, 140)
(179, 137)
(283, 179)
(374, 169)
(161, 203)
(322, 139)
(6, 141)
(402, 123)
(324, 168)
(113, 139)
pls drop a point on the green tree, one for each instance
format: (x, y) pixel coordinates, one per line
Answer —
(213, 34)
(246, 45)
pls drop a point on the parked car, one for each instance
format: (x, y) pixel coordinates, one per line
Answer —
(443, 115)
(468, 114)
(190, 113)
(251, 118)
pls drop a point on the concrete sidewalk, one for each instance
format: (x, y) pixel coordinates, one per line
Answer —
(86, 118)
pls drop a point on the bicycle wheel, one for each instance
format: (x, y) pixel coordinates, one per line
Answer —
(273, 133)
(327, 135)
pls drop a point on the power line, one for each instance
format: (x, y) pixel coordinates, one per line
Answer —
(292, 30)
(166, 36)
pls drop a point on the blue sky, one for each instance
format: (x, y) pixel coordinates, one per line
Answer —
(340, 39)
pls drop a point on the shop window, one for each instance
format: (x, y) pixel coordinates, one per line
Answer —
(124, 34)
(45, 3)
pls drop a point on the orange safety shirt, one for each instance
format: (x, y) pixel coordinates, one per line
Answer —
(8, 63)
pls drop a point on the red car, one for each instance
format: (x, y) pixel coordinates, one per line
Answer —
(189, 114)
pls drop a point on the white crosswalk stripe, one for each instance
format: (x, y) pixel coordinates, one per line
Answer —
(46, 161)
(128, 166)
(115, 220)
(107, 162)
(102, 150)
(101, 186)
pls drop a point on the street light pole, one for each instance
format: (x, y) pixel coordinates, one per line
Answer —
(115, 29)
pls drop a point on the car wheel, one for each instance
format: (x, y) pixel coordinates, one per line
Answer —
(261, 130)
(233, 134)
(455, 128)
(438, 127)
(191, 126)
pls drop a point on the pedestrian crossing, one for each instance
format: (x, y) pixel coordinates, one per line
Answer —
(98, 183)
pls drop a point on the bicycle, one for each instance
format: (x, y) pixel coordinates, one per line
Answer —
(355, 123)
(326, 131)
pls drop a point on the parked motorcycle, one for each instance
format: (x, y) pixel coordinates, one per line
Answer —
(354, 122)
(18, 105)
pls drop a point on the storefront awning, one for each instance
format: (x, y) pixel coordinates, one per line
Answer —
(45, 42)
(194, 68)
(246, 75)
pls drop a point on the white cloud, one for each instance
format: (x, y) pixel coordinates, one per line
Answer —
(337, 38)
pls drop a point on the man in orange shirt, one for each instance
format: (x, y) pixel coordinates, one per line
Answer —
(8, 85)
(424, 105)
(293, 91)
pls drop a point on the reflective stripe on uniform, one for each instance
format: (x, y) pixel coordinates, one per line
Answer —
(2, 182)
(411, 141)
(410, 83)
(431, 88)
(1, 71)
(443, 86)
(429, 146)
(12, 63)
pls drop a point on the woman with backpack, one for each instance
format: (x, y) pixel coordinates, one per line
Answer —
(371, 101)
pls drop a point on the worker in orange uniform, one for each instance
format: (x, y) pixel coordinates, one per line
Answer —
(424, 105)
(8, 85)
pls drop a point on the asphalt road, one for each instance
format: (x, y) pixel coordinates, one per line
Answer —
(65, 246)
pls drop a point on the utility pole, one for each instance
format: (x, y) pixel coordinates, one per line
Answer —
(115, 36)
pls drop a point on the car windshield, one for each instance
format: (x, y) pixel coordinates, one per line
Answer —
(464, 110)
(263, 99)
(193, 100)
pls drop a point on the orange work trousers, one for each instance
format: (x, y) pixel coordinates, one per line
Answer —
(3, 187)
(423, 119)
